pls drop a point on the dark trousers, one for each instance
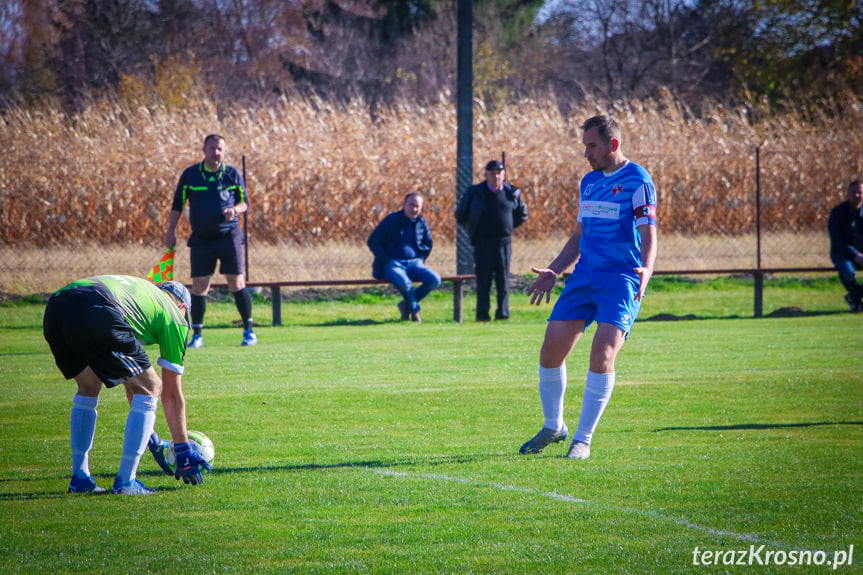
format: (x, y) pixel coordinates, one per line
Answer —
(491, 263)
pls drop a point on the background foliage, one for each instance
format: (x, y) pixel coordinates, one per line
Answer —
(89, 192)
(734, 51)
(320, 172)
(341, 108)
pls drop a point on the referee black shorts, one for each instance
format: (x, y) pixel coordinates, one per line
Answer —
(227, 250)
(83, 329)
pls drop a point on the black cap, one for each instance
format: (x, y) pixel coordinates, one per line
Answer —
(494, 166)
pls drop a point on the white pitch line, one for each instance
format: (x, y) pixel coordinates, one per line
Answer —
(571, 499)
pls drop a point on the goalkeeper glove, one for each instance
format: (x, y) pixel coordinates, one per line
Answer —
(189, 464)
(157, 448)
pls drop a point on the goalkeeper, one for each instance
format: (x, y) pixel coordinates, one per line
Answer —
(95, 328)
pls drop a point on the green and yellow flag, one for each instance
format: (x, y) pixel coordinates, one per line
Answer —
(164, 270)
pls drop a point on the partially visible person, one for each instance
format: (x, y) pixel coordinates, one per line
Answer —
(401, 243)
(613, 248)
(845, 226)
(95, 328)
(490, 211)
(217, 196)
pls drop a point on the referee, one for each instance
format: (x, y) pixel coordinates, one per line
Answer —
(217, 196)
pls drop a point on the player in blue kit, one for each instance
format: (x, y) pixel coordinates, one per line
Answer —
(217, 196)
(614, 249)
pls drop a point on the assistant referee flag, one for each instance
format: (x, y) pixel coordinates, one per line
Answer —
(164, 270)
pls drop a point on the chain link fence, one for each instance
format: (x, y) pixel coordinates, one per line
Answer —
(707, 221)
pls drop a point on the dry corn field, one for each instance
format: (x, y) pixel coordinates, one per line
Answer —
(90, 193)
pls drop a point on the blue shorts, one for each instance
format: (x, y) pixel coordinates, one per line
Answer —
(604, 297)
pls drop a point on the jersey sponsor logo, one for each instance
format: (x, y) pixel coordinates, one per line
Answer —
(601, 210)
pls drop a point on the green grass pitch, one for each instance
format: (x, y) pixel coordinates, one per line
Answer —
(348, 442)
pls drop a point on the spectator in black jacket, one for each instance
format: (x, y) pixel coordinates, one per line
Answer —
(401, 243)
(845, 226)
(490, 211)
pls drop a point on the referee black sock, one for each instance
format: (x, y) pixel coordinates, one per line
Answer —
(199, 308)
(243, 299)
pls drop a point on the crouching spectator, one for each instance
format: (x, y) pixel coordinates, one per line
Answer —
(844, 226)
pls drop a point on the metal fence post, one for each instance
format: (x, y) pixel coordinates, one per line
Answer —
(759, 277)
(464, 137)
(246, 220)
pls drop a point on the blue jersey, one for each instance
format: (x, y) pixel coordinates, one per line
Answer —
(611, 208)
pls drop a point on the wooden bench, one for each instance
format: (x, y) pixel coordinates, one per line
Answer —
(756, 273)
(459, 280)
(276, 288)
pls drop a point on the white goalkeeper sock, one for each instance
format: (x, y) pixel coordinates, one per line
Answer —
(552, 387)
(597, 393)
(82, 431)
(139, 426)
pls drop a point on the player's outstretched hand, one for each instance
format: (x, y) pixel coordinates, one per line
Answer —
(644, 275)
(541, 285)
(189, 464)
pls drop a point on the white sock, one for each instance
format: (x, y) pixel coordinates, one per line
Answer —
(552, 386)
(82, 431)
(139, 426)
(597, 393)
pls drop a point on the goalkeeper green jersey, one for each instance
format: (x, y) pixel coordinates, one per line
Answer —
(151, 313)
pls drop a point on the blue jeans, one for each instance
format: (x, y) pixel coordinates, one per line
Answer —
(847, 276)
(402, 274)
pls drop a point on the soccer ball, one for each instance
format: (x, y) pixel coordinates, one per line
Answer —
(202, 444)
